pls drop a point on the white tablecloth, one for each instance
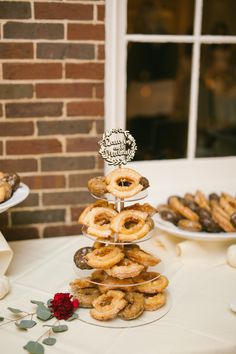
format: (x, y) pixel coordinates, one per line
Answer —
(199, 321)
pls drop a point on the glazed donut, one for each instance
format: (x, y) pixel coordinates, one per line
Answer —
(83, 218)
(153, 287)
(110, 283)
(86, 296)
(146, 208)
(131, 225)
(123, 182)
(140, 256)
(134, 307)
(99, 220)
(182, 209)
(201, 200)
(81, 284)
(154, 302)
(5, 191)
(125, 269)
(98, 276)
(229, 198)
(225, 204)
(97, 186)
(107, 306)
(104, 257)
(185, 224)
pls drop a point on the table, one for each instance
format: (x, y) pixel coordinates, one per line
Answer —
(199, 321)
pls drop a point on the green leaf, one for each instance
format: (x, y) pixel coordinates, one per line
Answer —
(25, 324)
(49, 341)
(1, 319)
(60, 328)
(73, 317)
(34, 347)
(43, 313)
(36, 302)
(15, 310)
(49, 302)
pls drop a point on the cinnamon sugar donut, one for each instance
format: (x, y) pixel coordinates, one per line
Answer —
(124, 182)
(107, 306)
(134, 307)
(137, 255)
(125, 269)
(154, 302)
(104, 257)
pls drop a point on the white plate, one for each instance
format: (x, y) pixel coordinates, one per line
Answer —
(18, 196)
(200, 236)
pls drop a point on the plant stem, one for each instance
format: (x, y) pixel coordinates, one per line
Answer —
(17, 319)
(49, 331)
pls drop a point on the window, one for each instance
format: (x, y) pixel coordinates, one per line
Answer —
(171, 77)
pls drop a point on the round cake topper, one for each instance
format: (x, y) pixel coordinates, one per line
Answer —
(118, 147)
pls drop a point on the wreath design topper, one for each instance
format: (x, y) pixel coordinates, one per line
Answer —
(118, 147)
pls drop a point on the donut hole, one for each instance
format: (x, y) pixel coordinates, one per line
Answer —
(102, 219)
(130, 223)
(106, 301)
(124, 182)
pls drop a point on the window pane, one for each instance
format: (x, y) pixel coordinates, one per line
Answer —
(158, 84)
(219, 17)
(160, 16)
(217, 101)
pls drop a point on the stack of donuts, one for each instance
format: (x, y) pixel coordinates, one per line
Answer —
(120, 283)
(8, 184)
(198, 212)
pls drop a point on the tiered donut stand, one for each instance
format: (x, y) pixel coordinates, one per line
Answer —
(147, 316)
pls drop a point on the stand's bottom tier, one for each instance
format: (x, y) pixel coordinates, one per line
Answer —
(145, 318)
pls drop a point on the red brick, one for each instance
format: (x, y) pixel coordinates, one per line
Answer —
(15, 9)
(16, 129)
(62, 163)
(15, 91)
(30, 110)
(99, 90)
(93, 108)
(67, 198)
(100, 162)
(26, 30)
(44, 182)
(20, 233)
(94, 71)
(16, 50)
(4, 219)
(1, 148)
(56, 10)
(65, 51)
(82, 144)
(18, 165)
(34, 146)
(64, 127)
(31, 200)
(101, 12)
(62, 230)
(75, 213)
(70, 90)
(37, 216)
(79, 31)
(0, 110)
(17, 71)
(81, 180)
(101, 52)
(99, 126)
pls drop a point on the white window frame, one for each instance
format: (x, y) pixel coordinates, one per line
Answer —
(115, 83)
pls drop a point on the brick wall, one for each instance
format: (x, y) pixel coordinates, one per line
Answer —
(51, 110)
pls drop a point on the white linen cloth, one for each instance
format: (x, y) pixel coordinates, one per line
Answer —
(199, 322)
(6, 255)
(192, 252)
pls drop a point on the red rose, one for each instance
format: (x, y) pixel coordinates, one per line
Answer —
(62, 306)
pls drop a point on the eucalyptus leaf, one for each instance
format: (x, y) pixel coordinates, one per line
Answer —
(60, 328)
(34, 347)
(25, 324)
(1, 319)
(13, 310)
(36, 302)
(73, 317)
(49, 341)
(43, 313)
(49, 302)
